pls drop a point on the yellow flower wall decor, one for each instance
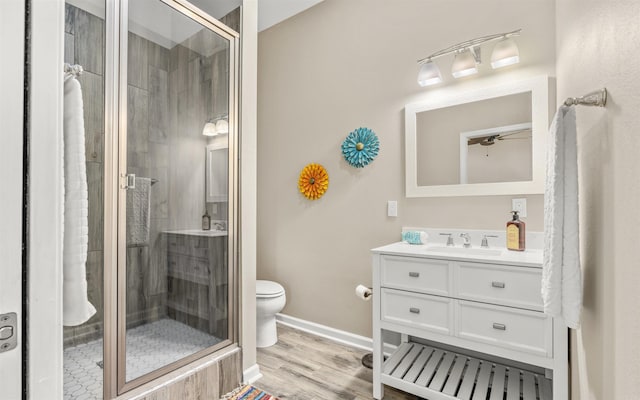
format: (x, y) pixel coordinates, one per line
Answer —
(313, 181)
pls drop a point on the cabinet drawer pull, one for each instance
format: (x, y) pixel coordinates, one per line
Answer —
(414, 310)
(497, 284)
(414, 274)
(500, 327)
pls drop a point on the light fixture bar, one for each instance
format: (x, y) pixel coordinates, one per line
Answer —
(469, 44)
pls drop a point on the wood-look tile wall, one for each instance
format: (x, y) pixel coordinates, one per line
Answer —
(148, 156)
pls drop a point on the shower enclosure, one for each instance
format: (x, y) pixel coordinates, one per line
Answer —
(159, 85)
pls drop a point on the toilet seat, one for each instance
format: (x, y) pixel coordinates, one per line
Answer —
(268, 289)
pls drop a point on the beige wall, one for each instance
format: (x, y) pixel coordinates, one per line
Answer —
(345, 64)
(597, 45)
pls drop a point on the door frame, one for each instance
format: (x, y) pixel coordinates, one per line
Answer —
(12, 41)
(44, 270)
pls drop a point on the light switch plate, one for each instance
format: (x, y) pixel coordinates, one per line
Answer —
(519, 205)
(392, 208)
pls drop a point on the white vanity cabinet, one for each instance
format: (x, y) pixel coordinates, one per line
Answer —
(472, 326)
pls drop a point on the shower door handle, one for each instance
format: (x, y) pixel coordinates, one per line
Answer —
(130, 181)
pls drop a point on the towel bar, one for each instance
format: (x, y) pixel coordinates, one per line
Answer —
(597, 99)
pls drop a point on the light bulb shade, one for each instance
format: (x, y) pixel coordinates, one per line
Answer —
(222, 126)
(209, 129)
(505, 53)
(429, 74)
(464, 64)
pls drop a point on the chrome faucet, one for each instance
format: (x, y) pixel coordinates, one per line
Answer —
(467, 240)
(485, 241)
(449, 239)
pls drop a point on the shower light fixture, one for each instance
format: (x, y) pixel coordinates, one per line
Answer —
(468, 57)
(216, 126)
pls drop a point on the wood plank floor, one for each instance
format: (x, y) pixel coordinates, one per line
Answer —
(302, 366)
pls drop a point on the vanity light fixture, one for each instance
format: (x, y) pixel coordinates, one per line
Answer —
(429, 74)
(209, 129)
(464, 64)
(505, 53)
(216, 126)
(468, 57)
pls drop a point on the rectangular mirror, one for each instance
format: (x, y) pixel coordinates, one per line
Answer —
(216, 174)
(484, 142)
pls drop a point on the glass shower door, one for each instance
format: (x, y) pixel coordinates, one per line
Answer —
(175, 264)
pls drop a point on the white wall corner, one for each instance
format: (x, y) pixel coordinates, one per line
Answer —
(248, 179)
(251, 374)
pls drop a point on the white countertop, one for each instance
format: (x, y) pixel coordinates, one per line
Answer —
(495, 255)
(199, 232)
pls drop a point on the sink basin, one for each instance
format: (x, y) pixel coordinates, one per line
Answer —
(471, 251)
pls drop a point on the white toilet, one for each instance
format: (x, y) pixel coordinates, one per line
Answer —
(270, 299)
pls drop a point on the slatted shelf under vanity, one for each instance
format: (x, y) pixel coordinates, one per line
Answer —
(444, 375)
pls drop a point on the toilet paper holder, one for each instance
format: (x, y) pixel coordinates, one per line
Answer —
(364, 292)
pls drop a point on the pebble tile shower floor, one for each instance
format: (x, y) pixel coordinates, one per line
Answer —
(149, 347)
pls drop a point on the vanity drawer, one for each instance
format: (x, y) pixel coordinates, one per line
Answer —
(522, 330)
(189, 245)
(416, 274)
(420, 311)
(188, 268)
(505, 285)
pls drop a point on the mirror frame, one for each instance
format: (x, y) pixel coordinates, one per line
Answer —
(541, 105)
(209, 175)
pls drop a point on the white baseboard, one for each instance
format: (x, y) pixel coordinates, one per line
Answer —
(333, 334)
(251, 374)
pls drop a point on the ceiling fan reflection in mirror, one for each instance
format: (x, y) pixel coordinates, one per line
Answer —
(489, 140)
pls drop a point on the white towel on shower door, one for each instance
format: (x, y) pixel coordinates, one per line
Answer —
(76, 306)
(561, 273)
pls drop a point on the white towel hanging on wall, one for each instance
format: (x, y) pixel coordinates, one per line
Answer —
(561, 273)
(76, 306)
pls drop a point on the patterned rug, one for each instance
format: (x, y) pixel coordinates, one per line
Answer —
(251, 393)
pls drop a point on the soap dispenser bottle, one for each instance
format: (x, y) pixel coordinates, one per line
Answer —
(206, 221)
(515, 233)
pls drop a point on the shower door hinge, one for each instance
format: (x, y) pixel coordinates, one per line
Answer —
(129, 181)
(8, 332)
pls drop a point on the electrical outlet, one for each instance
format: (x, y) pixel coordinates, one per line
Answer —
(392, 208)
(519, 205)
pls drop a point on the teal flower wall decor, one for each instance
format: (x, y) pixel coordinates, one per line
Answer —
(360, 147)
